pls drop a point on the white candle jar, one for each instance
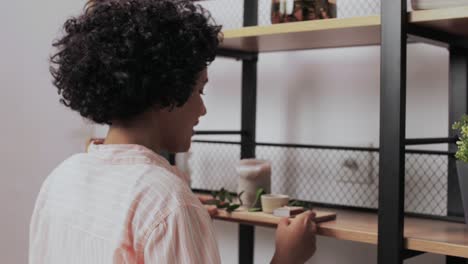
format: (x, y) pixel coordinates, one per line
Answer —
(253, 174)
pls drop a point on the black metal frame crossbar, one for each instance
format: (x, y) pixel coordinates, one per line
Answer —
(237, 54)
(424, 141)
(286, 145)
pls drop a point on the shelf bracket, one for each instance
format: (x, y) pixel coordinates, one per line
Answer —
(407, 253)
(436, 37)
(238, 54)
(455, 260)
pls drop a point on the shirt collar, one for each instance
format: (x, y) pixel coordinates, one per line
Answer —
(132, 154)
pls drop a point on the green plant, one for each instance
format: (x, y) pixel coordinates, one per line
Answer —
(223, 199)
(462, 127)
(256, 206)
(305, 205)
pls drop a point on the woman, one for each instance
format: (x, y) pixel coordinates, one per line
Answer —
(139, 66)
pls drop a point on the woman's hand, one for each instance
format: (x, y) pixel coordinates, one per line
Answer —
(212, 210)
(295, 239)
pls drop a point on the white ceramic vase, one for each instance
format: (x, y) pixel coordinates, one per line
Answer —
(253, 174)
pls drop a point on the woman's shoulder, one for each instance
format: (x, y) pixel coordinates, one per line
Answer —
(167, 186)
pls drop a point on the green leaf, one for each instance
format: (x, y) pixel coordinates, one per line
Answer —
(239, 197)
(294, 203)
(222, 195)
(214, 194)
(255, 209)
(229, 197)
(462, 143)
(232, 207)
(260, 192)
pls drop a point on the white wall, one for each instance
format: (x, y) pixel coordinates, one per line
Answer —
(324, 97)
(329, 96)
(36, 131)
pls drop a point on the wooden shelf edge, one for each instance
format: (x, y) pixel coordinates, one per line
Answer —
(338, 32)
(303, 26)
(436, 247)
(350, 235)
(423, 245)
(246, 222)
(438, 14)
(341, 234)
(416, 16)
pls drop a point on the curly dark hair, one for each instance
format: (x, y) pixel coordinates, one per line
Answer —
(121, 57)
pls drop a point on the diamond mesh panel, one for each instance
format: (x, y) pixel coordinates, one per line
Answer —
(230, 13)
(353, 8)
(331, 176)
(212, 166)
(426, 183)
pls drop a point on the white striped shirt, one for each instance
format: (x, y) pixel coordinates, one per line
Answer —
(119, 204)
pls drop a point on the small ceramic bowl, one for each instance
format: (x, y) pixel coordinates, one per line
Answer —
(272, 201)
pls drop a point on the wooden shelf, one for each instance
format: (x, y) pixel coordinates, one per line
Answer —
(329, 33)
(424, 235)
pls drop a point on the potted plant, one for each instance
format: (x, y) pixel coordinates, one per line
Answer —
(462, 160)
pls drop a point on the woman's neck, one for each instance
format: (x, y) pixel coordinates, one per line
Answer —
(138, 131)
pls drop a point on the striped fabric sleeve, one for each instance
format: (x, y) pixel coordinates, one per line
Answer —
(186, 236)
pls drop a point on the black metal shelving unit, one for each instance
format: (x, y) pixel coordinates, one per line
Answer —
(395, 31)
(394, 34)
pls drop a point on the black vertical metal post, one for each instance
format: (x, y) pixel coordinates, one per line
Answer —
(392, 131)
(458, 96)
(458, 105)
(250, 13)
(249, 107)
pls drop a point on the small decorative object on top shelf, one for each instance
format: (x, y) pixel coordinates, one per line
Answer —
(301, 10)
(436, 4)
(462, 160)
